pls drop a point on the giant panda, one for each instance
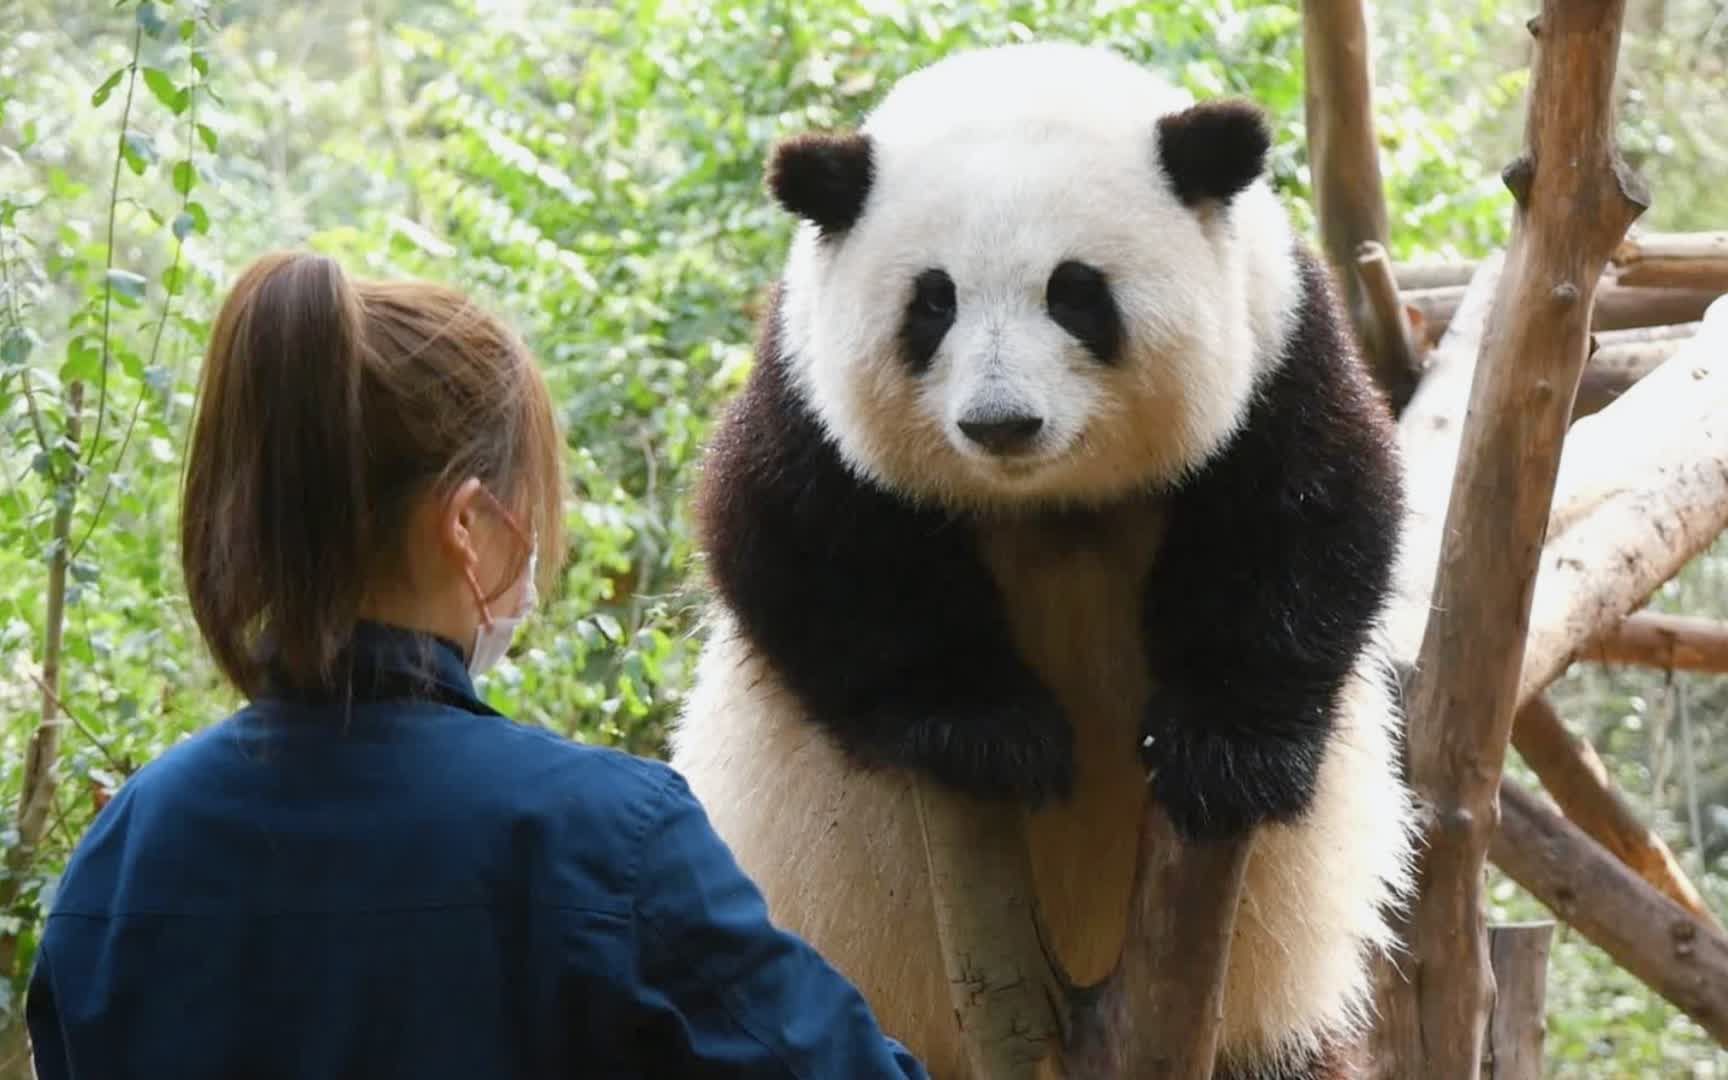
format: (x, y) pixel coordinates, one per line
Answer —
(1056, 480)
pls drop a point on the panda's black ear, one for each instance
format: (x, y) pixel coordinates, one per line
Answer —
(823, 178)
(1211, 151)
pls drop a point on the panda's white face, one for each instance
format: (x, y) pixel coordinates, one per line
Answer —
(1025, 309)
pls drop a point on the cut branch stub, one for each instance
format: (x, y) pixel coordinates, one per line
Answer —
(1574, 206)
(1687, 260)
(1519, 954)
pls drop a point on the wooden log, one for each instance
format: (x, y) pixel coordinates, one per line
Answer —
(1618, 307)
(1658, 941)
(1428, 437)
(1574, 199)
(1433, 275)
(1573, 774)
(1670, 642)
(1004, 991)
(1517, 1025)
(1402, 365)
(1344, 157)
(1629, 510)
(1614, 370)
(1674, 260)
(1640, 335)
(1158, 1012)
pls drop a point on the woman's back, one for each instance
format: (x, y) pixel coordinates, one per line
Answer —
(418, 888)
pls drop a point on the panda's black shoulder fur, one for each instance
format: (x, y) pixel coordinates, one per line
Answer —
(881, 616)
(1275, 565)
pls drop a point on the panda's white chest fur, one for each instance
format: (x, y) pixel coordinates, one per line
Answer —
(1074, 595)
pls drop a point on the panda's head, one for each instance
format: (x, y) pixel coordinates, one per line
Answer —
(1036, 273)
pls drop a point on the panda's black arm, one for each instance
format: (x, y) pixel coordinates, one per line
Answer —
(1277, 561)
(881, 617)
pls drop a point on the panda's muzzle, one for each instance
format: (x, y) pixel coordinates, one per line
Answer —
(1003, 432)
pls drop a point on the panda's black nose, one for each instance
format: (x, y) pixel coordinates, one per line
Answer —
(1001, 432)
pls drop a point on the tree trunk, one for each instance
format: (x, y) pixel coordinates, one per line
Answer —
(1575, 199)
(1155, 1016)
(1004, 991)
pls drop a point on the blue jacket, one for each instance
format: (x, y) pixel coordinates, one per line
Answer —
(410, 885)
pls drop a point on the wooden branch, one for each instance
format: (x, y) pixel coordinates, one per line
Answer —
(1158, 1013)
(1629, 510)
(1605, 340)
(1574, 199)
(1618, 307)
(1402, 366)
(1613, 370)
(1344, 156)
(1005, 994)
(1657, 940)
(1434, 275)
(1519, 955)
(1429, 433)
(1674, 260)
(1575, 777)
(1669, 642)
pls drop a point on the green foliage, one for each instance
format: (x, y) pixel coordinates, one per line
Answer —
(594, 171)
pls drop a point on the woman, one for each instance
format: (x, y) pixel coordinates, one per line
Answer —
(367, 872)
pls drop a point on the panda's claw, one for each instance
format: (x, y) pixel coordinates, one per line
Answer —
(1216, 780)
(1022, 751)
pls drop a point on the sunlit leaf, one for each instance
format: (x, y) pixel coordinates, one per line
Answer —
(208, 136)
(83, 359)
(185, 177)
(107, 87)
(163, 87)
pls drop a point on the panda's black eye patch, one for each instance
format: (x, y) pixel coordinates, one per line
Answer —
(1079, 301)
(929, 315)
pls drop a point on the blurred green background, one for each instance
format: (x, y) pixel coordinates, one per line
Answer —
(595, 173)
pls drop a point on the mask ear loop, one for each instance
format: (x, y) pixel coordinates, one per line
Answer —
(479, 596)
(468, 570)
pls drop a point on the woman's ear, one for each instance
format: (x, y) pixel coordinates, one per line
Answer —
(457, 517)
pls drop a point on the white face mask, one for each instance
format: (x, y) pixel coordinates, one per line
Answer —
(492, 642)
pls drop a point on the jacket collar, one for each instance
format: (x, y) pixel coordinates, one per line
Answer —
(384, 662)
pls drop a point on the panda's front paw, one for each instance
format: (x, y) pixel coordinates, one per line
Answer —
(1020, 749)
(1217, 778)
